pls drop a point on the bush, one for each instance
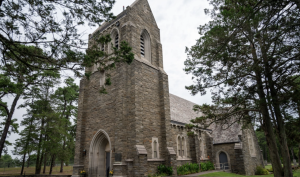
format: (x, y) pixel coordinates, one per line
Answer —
(261, 171)
(205, 166)
(164, 170)
(188, 169)
(270, 170)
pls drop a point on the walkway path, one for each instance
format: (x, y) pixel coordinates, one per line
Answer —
(202, 173)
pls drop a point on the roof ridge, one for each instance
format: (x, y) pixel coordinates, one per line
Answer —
(183, 98)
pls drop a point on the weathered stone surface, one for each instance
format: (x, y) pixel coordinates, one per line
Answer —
(181, 109)
(138, 110)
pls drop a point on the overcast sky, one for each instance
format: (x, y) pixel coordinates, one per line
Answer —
(178, 21)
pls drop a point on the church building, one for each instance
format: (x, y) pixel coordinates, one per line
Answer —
(139, 125)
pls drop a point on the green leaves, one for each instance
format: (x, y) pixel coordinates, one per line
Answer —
(51, 26)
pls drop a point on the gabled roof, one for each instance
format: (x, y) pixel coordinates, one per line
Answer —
(224, 134)
(182, 110)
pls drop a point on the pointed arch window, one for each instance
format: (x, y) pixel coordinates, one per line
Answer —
(145, 45)
(182, 147)
(114, 40)
(155, 148)
(179, 142)
(117, 41)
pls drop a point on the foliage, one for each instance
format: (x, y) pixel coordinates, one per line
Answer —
(16, 81)
(205, 166)
(82, 172)
(188, 169)
(270, 169)
(52, 26)
(261, 171)
(162, 169)
(39, 38)
(262, 143)
(246, 56)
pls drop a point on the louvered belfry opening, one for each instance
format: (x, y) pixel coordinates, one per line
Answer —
(142, 46)
(145, 45)
(117, 41)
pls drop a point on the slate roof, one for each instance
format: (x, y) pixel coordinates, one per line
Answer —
(182, 111)
(224, 134)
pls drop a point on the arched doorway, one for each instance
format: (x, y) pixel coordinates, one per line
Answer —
(223, 161)
(100, 155)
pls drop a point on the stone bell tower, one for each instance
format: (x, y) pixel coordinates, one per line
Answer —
(128, 129)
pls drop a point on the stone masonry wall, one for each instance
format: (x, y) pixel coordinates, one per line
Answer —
(251, 162)
(136, 107)
(228, 149)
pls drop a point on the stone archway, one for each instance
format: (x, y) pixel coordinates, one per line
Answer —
(100, 155)
(220, 162)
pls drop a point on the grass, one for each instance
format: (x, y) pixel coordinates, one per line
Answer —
(217, 174)
(31, 170)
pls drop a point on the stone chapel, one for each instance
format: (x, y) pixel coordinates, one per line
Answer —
(139, 125)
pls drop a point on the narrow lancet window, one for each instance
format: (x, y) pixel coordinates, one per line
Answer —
(145, 45)
(142, 46)
(117, 41)
(179, 146)
(182, 147)
(155, 149)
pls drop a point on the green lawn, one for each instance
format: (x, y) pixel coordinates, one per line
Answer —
(28, 171)
(217, 174)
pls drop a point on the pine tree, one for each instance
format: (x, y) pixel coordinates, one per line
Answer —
(16, 81)
(66, 99)
(245, 57)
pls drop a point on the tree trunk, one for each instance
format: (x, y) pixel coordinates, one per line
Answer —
(8, 122)
(270, 86)
(299, 155)
(37, 164)
(28, 160)
(45, 161)
(24, 156)
(281, 129)
(267, 124)
(292, 153)
(62, 161)
(51, 166)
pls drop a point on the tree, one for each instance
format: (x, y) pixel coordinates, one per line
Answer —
(35, 33)
(246, 57)
(15, 81)
(51, 26)
(66, 99)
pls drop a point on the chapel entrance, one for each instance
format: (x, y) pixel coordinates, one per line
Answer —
(99, 161)
(223, 161)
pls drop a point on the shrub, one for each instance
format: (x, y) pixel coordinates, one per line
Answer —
(188, 169)
(261, 171)
(270, 170)
(164, 170)
(205, 166)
